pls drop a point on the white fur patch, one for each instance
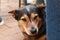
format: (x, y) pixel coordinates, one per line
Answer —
(27, 31)
(28, 8)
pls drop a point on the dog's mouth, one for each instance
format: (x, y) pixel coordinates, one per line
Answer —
(31, 32)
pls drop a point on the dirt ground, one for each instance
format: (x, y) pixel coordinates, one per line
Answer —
(10, 29)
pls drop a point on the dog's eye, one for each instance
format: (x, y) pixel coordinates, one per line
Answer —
(23, 19)
(35, 17)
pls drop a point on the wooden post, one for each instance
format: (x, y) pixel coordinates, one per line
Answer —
(19, 3)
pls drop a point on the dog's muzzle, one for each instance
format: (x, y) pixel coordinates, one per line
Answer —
(33, 30)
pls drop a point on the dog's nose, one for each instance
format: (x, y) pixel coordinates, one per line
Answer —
(33, 30)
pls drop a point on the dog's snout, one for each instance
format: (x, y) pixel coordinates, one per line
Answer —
(33, 30)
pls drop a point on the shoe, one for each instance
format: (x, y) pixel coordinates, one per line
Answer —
(1, 21)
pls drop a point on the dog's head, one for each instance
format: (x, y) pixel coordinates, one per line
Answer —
(29, 18)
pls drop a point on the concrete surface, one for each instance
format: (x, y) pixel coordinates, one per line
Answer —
(10, 29)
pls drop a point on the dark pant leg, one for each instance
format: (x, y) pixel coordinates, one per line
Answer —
(53, 19)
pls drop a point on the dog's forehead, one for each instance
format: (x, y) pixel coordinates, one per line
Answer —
(29, 8)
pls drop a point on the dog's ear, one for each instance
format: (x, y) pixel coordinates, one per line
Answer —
(41, 10)
(15, 14)
(41, 7)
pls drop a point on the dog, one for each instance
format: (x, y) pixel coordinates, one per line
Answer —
(31, 21)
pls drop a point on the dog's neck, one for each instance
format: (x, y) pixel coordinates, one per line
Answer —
(27, 37)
